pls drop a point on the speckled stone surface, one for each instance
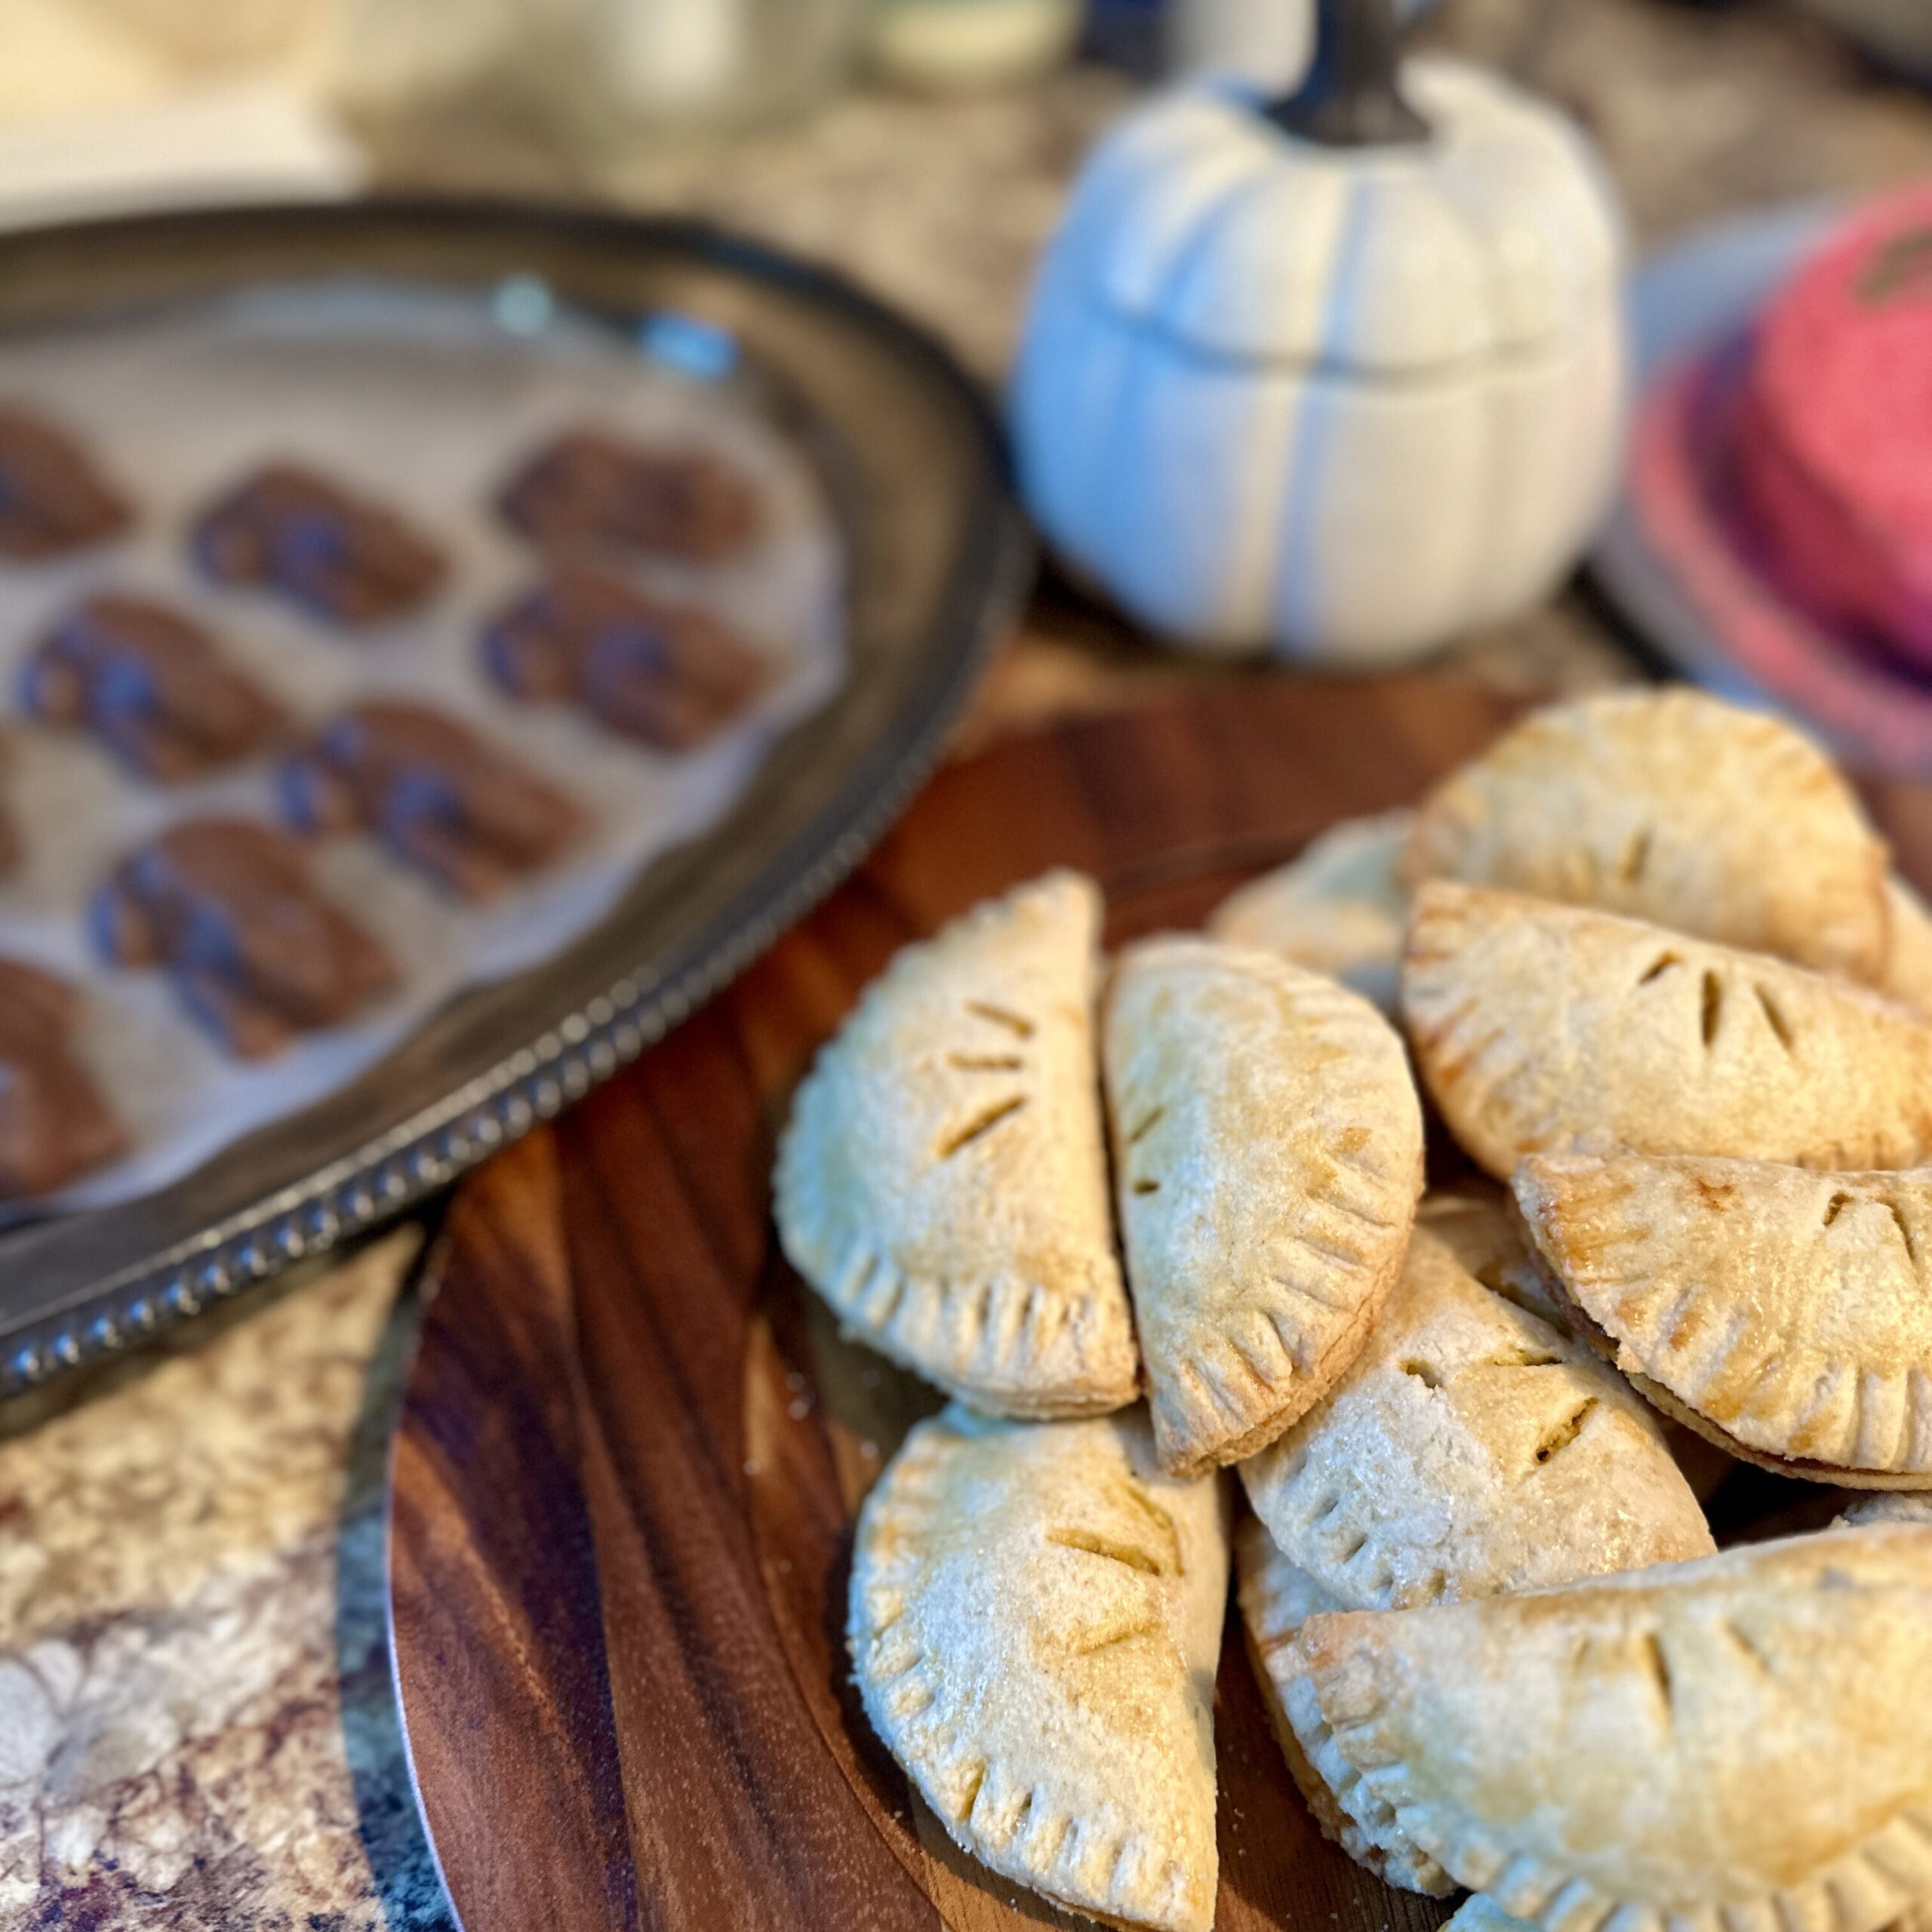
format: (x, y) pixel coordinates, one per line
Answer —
(196, 1727)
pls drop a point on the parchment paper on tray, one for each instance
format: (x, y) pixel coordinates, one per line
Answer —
(423, 400)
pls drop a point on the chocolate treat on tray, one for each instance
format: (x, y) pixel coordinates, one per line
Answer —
(230, 909)
(53, 1123)
(151, 685)
(52, 498)
(440, 797)
(587, 488)
(350, 560)
(668, 674)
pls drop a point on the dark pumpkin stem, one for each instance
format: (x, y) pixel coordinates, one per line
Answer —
(1351, 97)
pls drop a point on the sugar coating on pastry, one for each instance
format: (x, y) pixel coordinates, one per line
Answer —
(1276, 1598)
(1483, 1231)
(1267, 1160)
(1701, 1746)
(1337, 908)
(1470, 1448)
(943, 1181)
(1035, 1625)
(1789, 1313)
(1674, 806)
(1543, 1028)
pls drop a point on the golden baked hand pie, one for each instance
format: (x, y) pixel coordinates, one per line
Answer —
(1674, 806)
(1338, 908)
(1470, 1448)
(1785, 1314)
(1035, 1625)
(1731, 1743)
(1267, 1155)
(1276, 1599)
(942, 1180)
(1545, 1027)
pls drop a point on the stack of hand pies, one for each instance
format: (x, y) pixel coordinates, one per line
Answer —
(1655, 976)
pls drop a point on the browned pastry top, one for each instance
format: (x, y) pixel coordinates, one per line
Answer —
(152, 685)
(669, 674)
(440, 795)
(52, 497)
(348, 560)
(590, 487)
(53, 1123)
(230, 909)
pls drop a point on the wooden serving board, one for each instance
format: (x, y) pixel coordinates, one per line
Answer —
(633, 1444)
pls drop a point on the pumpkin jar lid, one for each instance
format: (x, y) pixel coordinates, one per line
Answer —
(1202, 219)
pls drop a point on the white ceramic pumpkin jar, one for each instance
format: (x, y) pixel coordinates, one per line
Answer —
(1338, 374)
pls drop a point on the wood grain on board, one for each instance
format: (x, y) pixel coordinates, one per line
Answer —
(633, 1445)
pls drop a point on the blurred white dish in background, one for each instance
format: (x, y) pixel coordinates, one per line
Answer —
(944, 43)
(1348, 400)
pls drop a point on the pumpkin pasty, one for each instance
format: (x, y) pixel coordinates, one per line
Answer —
(1470, 1448)
(1786, 1315)
(1035, 1624)
(1268, 1155)
(1276, 1599)
(1546, 1028)
(1706, 1745)
(1674, 806)
(1337, 909)
(943, 1181)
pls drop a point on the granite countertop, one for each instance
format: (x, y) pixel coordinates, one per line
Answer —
(197, 1731)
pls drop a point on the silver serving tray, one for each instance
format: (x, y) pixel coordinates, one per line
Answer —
(938, 559)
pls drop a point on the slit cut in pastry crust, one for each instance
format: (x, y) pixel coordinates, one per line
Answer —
(1268, 1156)
(1702, 1747)
(1674, 807)
(1035, 1625)
(1786, 1315)
(1470, 1448)
(1276, 1599)
(1541, 1028)
(1337, 908)
(943, 1181)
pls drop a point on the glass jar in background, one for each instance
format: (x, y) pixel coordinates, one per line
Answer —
(946, 44)
(594, 77)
